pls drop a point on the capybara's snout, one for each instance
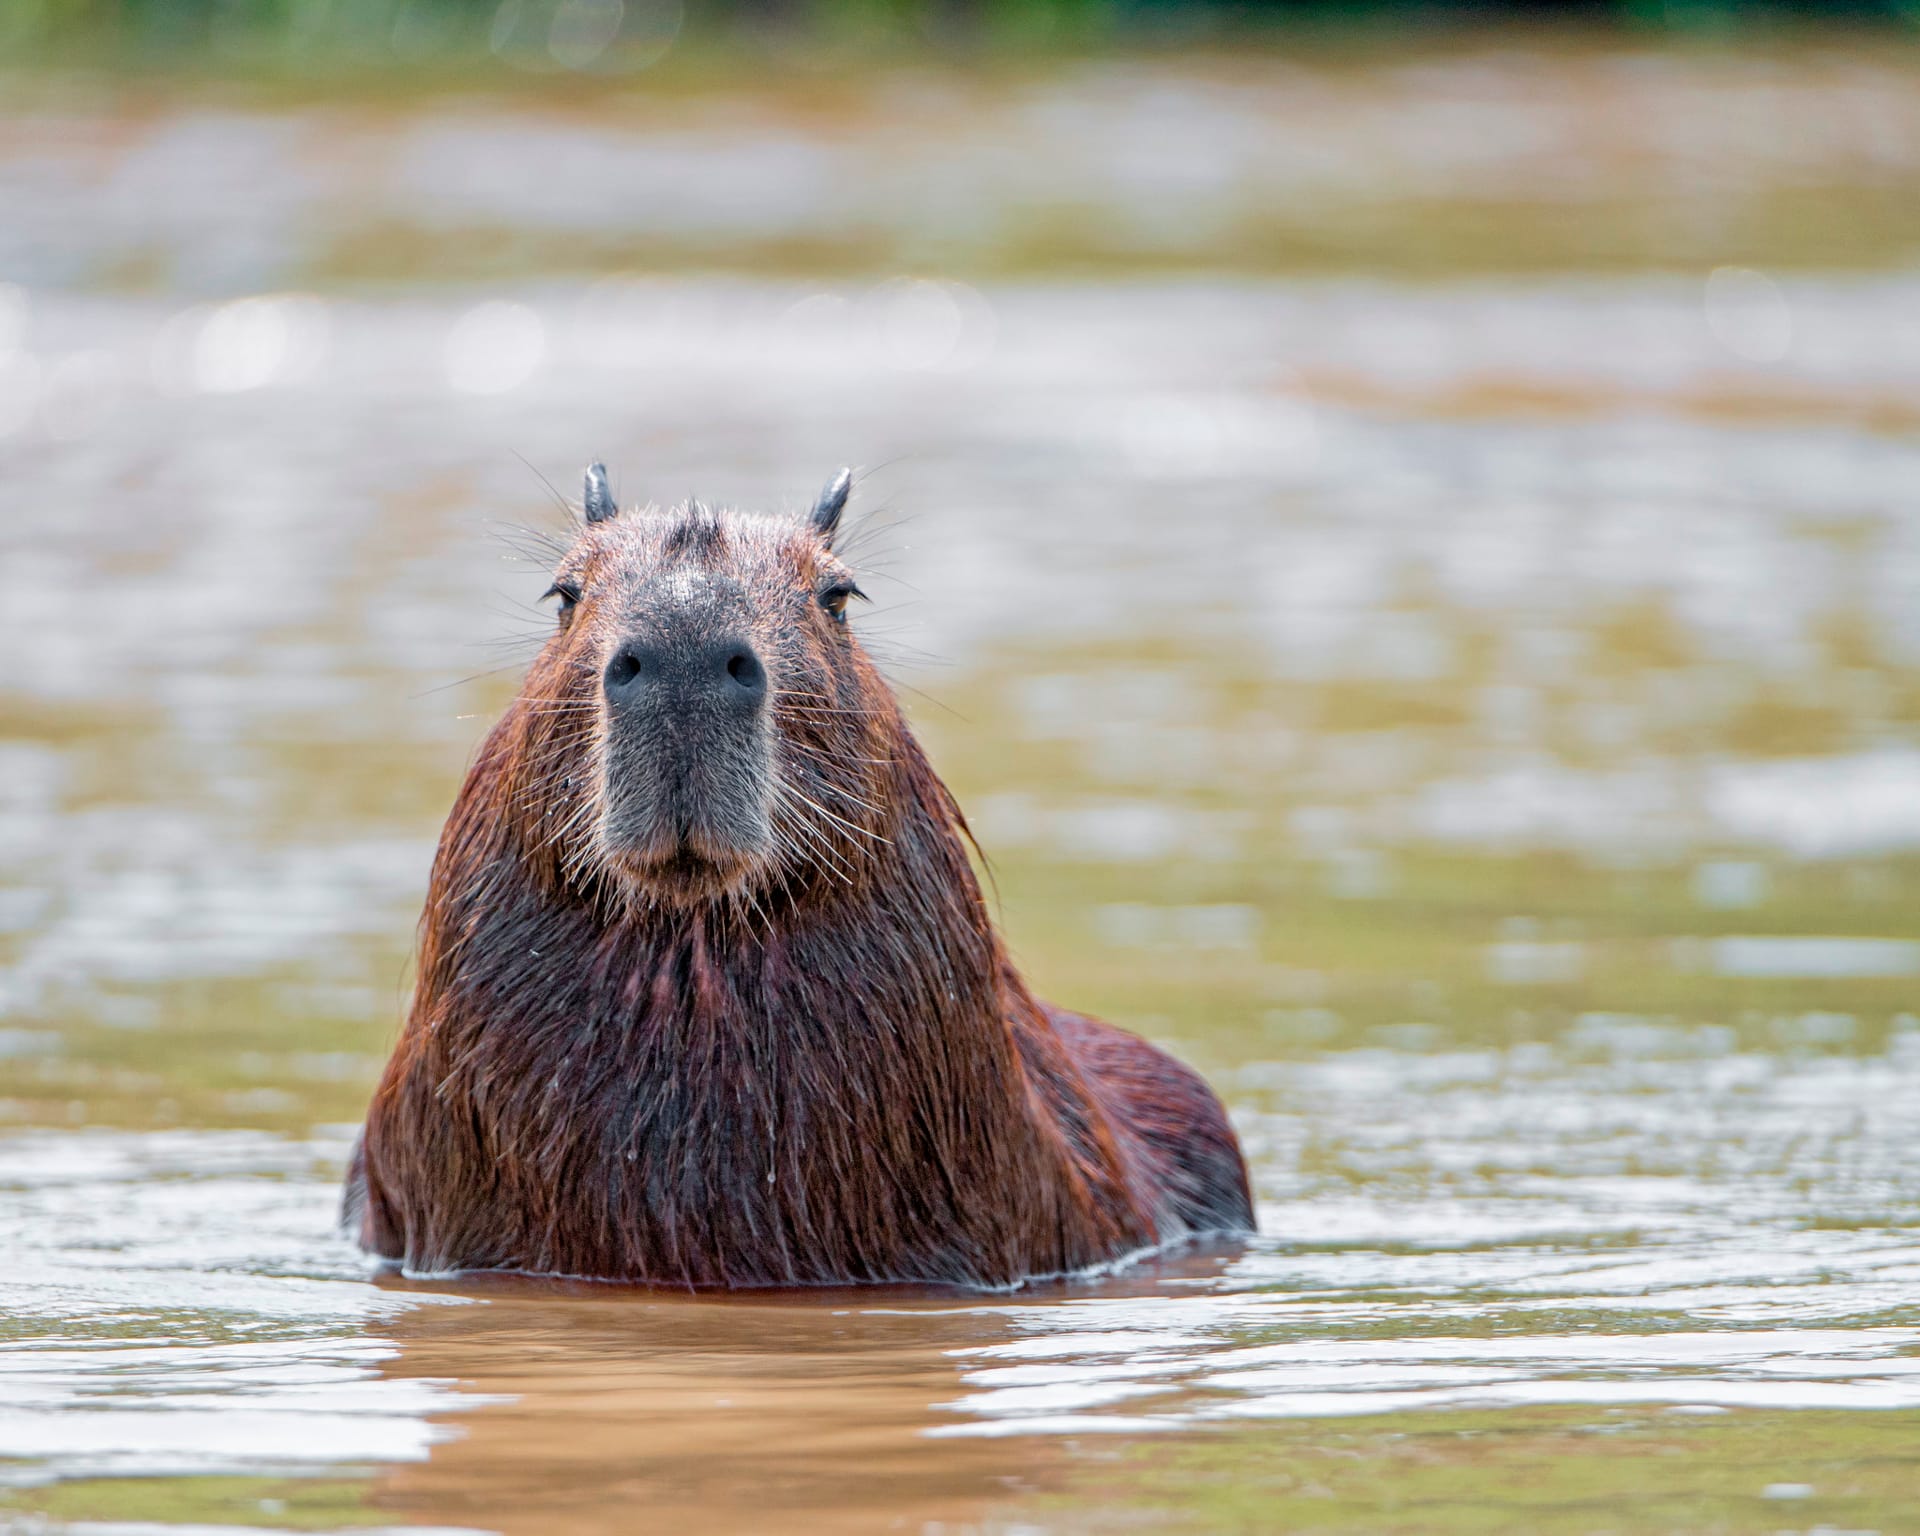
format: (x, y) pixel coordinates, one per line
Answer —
(688, 757)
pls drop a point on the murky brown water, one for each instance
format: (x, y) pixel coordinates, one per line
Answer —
(1478, 721)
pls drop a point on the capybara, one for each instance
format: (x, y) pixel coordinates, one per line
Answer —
(707, 991)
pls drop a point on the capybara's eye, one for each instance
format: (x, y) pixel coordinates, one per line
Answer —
(834, 598)
(568, 592)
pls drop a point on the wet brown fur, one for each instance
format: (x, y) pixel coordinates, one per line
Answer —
(816, 1067)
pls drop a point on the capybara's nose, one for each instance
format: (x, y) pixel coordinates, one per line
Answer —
(725, 672)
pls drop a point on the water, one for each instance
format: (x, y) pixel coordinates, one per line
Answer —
(1702, 1246)
(1476, 720)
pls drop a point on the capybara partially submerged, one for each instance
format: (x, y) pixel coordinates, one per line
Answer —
(708, 994)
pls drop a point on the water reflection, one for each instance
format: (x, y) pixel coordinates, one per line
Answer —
(1476, 722)
(706, 1415)
(1641, 1222)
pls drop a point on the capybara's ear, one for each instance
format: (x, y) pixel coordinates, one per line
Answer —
(832, 502)
(597, 500)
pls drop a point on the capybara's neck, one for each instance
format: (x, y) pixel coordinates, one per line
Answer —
(839, 1081)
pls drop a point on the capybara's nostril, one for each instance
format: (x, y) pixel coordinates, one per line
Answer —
(677, 672)
(623, 669)
(749, 678)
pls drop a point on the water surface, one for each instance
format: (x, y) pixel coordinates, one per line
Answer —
(1477, 721)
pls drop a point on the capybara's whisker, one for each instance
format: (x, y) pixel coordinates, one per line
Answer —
(821, 712)
(832, 759)
(839, 821)
(817, 848)
(821, 785)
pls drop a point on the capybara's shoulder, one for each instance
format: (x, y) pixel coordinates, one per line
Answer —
(1175, 1123)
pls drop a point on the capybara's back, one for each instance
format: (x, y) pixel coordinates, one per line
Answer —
(707, 991)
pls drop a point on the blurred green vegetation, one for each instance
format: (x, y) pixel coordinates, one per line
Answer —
(615, 37)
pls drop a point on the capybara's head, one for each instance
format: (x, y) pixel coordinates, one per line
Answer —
(702, 723)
